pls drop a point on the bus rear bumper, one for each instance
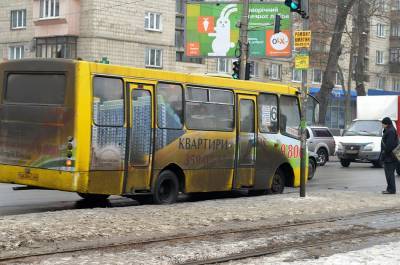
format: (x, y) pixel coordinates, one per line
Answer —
(44, 178)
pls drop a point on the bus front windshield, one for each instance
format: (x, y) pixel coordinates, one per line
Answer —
(364, 128)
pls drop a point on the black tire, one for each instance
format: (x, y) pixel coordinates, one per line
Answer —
(312, 166)
(93, 197)
(345, 163)
(166, 188)
(278, 183)
(377, 163)
(323, 156)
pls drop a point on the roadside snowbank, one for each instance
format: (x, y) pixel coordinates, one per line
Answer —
(72, 228)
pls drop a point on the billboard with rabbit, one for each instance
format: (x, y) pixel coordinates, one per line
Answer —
(212, 31)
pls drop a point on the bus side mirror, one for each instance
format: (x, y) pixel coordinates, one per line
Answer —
(341, 132)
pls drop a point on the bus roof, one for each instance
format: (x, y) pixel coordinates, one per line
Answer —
(187, 78)
(154, 74)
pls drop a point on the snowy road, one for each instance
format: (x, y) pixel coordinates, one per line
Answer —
(203, 223)
(358, 177)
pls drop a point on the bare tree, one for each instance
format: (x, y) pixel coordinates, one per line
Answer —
(342, 10)
(363, 31)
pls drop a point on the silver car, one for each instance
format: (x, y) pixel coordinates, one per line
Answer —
(320, 140)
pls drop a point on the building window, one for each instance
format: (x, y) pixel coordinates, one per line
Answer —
(49, 8)
(317, 76)
(152, 21)
(254, 69)
(179, 38)
(396, 5)
(296, 75)
(381, 81)
(381, 6)
(379, 57)
(180, 57)
(380, 30)
(153, 58)
(18, 19)
(276, 71)
(223, 65)
(16, 52)
(396, 84)
(395, 55)
(395, 31)
(56, 47)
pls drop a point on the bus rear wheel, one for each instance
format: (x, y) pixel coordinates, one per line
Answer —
(278, 183)
(93, 197)
(166, 188)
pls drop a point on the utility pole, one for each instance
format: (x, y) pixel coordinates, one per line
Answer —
(244, 45)
(303, 125)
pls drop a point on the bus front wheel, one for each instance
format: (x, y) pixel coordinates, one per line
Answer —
(93, 197)
(278, 183)
(166, 188)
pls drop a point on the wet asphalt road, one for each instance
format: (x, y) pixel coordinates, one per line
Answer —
(358, 177)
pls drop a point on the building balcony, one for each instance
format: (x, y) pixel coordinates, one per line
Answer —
(395, 15)
(394, 41)
(394, 67)
(60, 20)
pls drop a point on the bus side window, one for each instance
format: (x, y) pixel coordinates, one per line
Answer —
(268, 113)
(209, 109)
(169, 106)
(108, 103)
(289, 116)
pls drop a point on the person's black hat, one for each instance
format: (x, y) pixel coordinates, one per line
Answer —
(387, 121)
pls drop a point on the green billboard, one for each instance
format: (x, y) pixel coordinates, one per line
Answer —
(212, 30)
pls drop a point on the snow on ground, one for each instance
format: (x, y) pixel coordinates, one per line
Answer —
(73, 228)
(387, 254)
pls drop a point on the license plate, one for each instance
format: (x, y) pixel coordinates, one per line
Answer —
(351, 151)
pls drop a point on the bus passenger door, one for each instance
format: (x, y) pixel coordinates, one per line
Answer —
(246, 142)
(140, 137)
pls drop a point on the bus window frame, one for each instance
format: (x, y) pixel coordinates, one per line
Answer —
(279, 112)
(207, 88)
(156, 105)
(5, 86)
(123, 100)
(298, 106)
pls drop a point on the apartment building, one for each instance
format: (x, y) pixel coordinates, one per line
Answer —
(142, 34)
(151, 34)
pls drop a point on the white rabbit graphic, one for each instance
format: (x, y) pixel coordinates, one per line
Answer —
(222, 42)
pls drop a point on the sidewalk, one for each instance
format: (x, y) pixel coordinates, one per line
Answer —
(64, 229)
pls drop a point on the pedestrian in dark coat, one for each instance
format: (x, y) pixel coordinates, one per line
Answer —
(389, 142)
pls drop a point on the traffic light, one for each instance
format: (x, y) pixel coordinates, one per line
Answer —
(298, 6)
(295, 5)
(277, 24)
(236, 70)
